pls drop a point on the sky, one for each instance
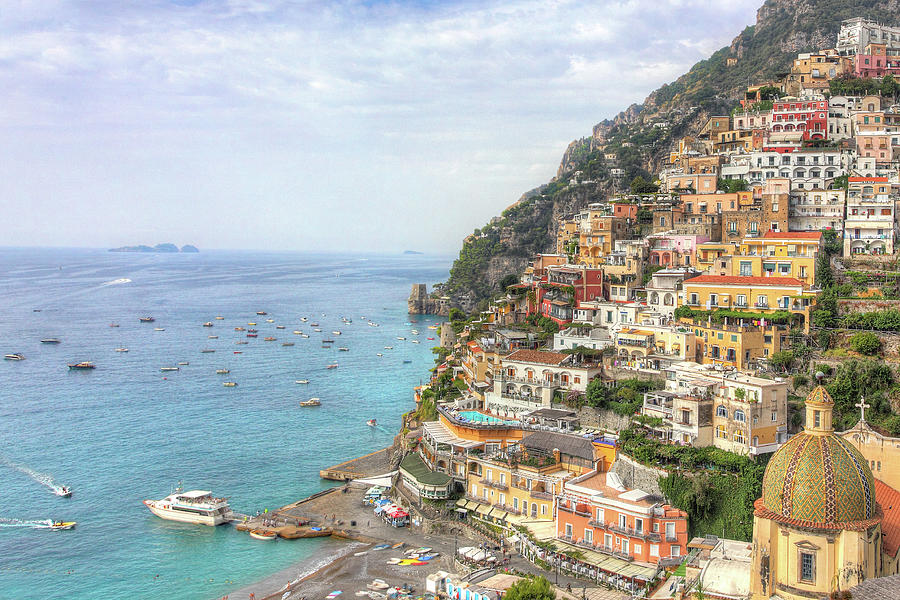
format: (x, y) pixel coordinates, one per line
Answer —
(361, 126)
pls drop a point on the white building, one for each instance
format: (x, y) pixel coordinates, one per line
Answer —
(869, 224)
(859, 32)
(807, 168)
(816, 209)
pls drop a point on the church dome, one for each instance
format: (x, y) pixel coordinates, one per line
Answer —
(817, 477)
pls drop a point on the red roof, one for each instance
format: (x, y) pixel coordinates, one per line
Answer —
(743, 280)
(536, 356)
(793, 235)
(880, 179)
(889, 500)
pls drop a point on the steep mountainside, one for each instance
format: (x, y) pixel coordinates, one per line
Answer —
(783, 28)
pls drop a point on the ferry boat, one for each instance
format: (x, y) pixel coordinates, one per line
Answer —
(198, 506)
(146, 319)
(230, 384)
(259, 534)
(50, 341)
(82, 366)
(222, 371)
(311, 402)
(208, 324)
(62, 525)
(13, 357)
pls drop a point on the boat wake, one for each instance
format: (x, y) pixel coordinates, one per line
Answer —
(116, 281)
(34, 524)
(42, 478)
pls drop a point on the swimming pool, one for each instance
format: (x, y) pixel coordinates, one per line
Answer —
(477, 417)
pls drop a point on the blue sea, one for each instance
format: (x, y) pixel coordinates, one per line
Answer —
(126, 431)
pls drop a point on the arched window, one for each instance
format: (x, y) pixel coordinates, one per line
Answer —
(721, 411)
(739, 416)
(668, 300)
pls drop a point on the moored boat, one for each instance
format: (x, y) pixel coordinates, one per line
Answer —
(158, 329)
(220, 318)
(252, 335)
(336, 332)
(311, 402)
(50, 341)
(287, 343)
(199, 507)
(297, 332)
(207, 350)
(259, 534)
(146, 319)
(212, 337)
(239, 329)
(113, 324)
(279, 327)
(261, 312)
(208, 324)
(230, 384)
(269, 339)
(166, 369)
(222, 371)
(342, 349)
(121, 349)
(14, 357)
(302, 381)
(332, 366)
(81, 366)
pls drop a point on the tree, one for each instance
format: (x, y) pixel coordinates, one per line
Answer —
(865, 343)
(769, 92)
(732, 185)
(889, 87)
(824, 275)
(456, 315)
(509, 280)
(639, 185)
(782, 360)
(531, 588)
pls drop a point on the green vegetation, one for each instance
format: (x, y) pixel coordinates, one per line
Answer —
(881, 320)
(531, 588)
(732, 185)
(867, 378)
(624, 397)
(427, 409)
(865, 343)
(639, 185)
(719, 315)
(782, 360)
(649, 271)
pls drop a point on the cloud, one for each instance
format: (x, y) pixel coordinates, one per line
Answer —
(464, 103)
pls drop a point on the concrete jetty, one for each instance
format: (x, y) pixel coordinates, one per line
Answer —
(369, 465)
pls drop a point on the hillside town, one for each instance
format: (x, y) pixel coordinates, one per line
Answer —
(679, 402)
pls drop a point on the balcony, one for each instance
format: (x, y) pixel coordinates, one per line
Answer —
(495, 484)
(540, 495)
(671, 539)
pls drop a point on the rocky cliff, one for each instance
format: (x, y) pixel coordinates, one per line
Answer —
(630, 142)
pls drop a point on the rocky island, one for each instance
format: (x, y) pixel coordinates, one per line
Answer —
(159, 248)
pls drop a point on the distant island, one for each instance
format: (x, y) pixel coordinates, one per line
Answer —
(171, 248)
(412, 252)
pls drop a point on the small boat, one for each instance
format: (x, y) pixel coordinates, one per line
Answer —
(317, 330)
(208, 324)
(415, 341)
(251, 324)
(378, 585)
(287, 343)
(146, 319)
(327, 341)
(230, 384)
(401, 338)
(113, 324)
(252, 335)
(63, 491)
(167, 369)
(388, 347)
(62, 525)
(332, 366)
(297, 332)
(270, 320)
(342, 349)
(239, 329)
(406, 362)
(220, 318)
(259, 534)
(184, 363)
(241, 342)
(431, 338)
(261, 313)
(371, 423)
(279, 327)
(82, 366)
(432, 327)
(13, 357)
(379, 354)
(336, 332)
(121, 349)
(158, 329)
(304, 335)
(311, 402)
(222, 371)
(314, 324)
(269, 339)
(253, 330)
(207, 351)
(238, 352)
(212, 337)
(302, 381)
(50, 341)
(415, 332)
(397, 545)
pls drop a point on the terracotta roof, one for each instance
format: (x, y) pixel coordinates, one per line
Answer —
(878, 179)
(889, 499)
(793, 235)
(739, 280)
(536, 356)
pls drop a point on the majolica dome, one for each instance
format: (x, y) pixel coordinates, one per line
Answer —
(817, 477)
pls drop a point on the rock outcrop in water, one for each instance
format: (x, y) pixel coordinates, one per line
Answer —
(421, 303)
(159, 248)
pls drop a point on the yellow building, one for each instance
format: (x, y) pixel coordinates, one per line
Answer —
(735, 344)
(760, 295)
(818, 527)
(881, 451)
(750, 414)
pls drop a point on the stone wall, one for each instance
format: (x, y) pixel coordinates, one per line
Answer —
(591, 418)
(865, 305)
(420, 303)
(635, 475)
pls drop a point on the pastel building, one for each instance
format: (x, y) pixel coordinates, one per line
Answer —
(869, 224)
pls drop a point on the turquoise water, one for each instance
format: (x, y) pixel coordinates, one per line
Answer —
(125, 431)
(474, 415)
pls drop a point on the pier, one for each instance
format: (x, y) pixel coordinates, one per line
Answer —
(369, 465)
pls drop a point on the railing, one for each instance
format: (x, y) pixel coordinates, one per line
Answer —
(495, 484)
(671, 539)
(540, 495)
(565, 508)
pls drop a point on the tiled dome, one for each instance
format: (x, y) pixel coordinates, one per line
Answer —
(819, 478)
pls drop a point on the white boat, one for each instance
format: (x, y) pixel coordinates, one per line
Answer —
(401, 338)
(302, 381)
(13, 357)
(371, 422)
(342, 349)
(212, 337)
(336, 332)
(165, 369)
(388, 347)
(317, 330)
(222, 371)
(298, 332)
(158, 329)
(63, 491)
(198, 506)
(379, 354)
(415, 341)
(311, 402)
(220, 318)
(415, 332)
(121, 349)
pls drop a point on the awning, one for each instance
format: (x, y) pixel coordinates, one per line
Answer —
(483, 509)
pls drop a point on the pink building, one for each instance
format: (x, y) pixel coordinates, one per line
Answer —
(876, 63)
(674, 250)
